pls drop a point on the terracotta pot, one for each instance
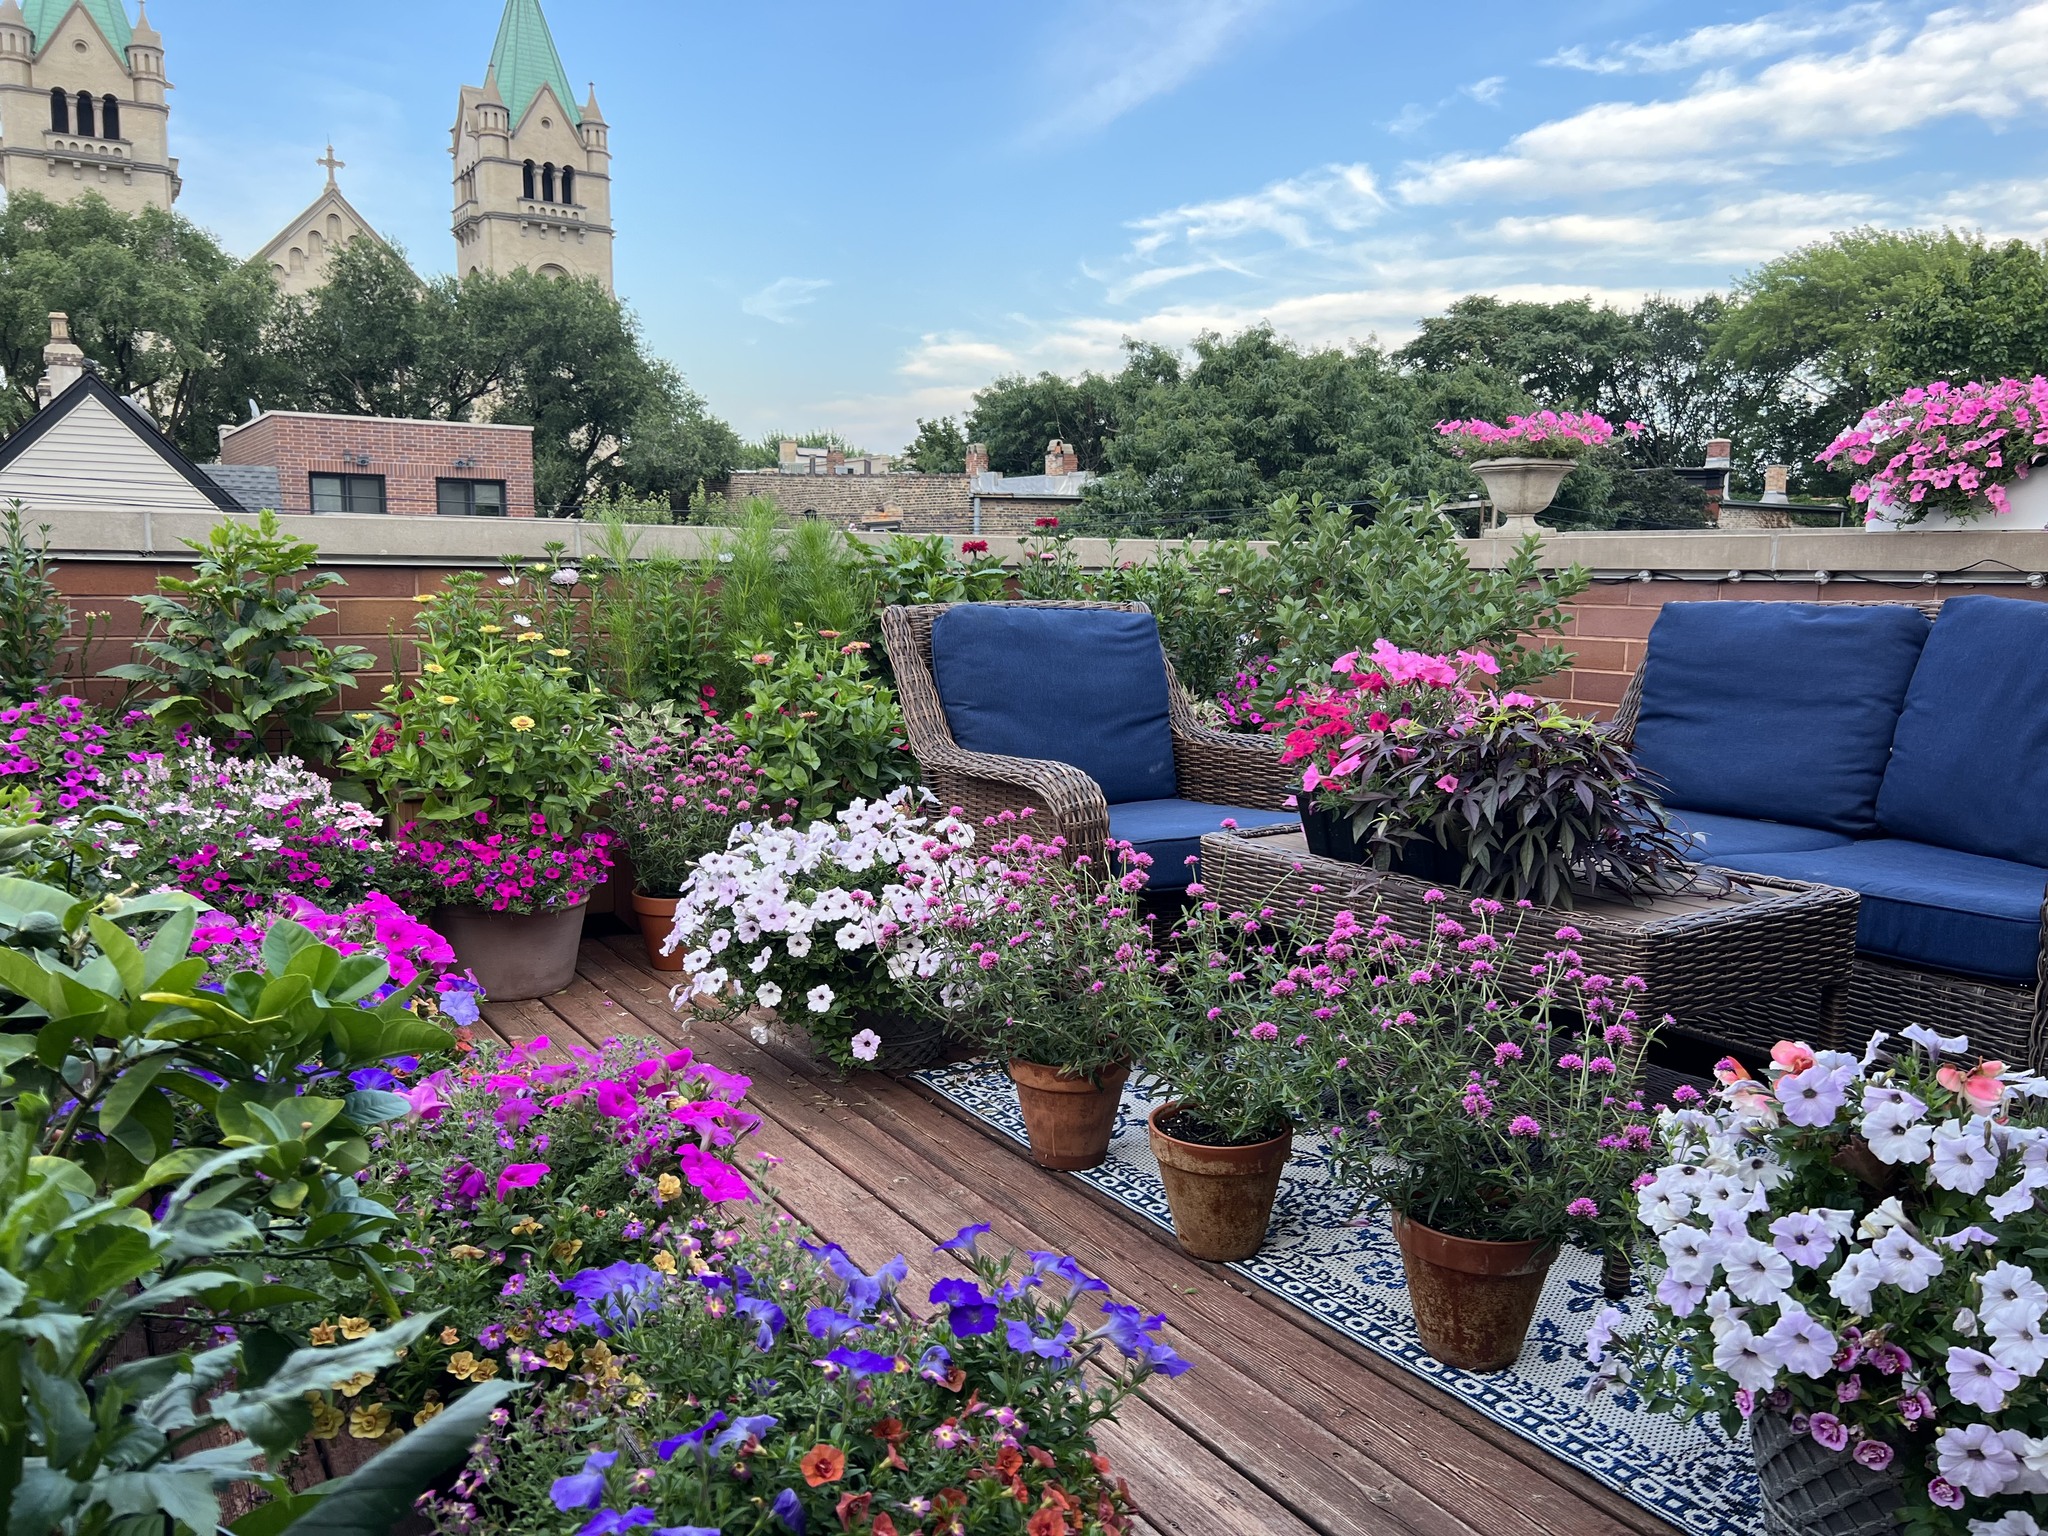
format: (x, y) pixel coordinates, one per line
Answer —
(1069, 1119)
(514, 955)
(1221, 1197)
(657, 915)
(1473, 1300)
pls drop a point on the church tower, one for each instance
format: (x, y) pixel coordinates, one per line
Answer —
(533, 181)
(82, 105)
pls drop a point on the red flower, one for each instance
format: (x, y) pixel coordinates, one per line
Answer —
(1048, 522)
(852, 1507)
(974, 546)
(823, 1464)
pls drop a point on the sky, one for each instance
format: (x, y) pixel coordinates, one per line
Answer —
(849, 214)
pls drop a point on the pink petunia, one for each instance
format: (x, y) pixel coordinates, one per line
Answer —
(520, 1176)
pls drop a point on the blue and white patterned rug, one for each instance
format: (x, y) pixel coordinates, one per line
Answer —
(1346, 1274)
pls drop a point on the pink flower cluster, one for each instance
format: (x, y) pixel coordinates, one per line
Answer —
(679, 797)
(1546, 435)
(518, 865)
(57, 745)
(414, 951)
(1329, 728)
(1953, 447)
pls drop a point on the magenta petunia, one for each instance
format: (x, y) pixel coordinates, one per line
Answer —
(520, 1176)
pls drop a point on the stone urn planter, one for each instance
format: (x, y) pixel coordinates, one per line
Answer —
(1520, 488)
(1473, 1300)
(1069, 1120)
(1809, 1490)
(1221, 1196)
(514, 955)
(656, 916)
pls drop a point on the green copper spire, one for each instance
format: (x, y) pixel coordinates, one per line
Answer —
(525, 60)
(45, 16)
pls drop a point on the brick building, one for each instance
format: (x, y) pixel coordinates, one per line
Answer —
(388, 464)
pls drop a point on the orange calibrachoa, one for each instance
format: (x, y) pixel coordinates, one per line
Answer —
(823, 1463)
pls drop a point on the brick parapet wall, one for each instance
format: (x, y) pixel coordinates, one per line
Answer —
(411, 456)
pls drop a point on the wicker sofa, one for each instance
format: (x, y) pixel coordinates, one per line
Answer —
(1072, 710)
(1899, 750)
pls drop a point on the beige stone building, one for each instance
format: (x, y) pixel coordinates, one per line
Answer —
(82, 104)
(532, 168)
(298, 257)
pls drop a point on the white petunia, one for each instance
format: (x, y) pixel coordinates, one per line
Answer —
(1895, 1137)
(2006, 1284)
(819, 998)
(1856, 1282)
(1976, 1459)
(768, 994)
(1907, 1263)
(1756, 1273)
(866, 1045)
(1688, 1254)
(798, 944)
(1963, 1157)
(697, 960)
(1979, 1380)
(720, 937)
(1745, 1359)
(1662, 1206)
(761, 961)
(2017, 1342)
(1682, 1297)
(1800, 1343)
(1936, 1044)
(2013, 1522)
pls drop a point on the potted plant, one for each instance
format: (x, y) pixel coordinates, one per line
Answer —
(1523, 463)
(1411, 763)
(679, 787)
(1492, 1128)
(1945, 455)
(831, 923)
(1049, 967)
(1851, 1250)
(1223, 1051)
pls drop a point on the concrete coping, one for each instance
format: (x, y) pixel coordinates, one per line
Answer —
(1986, 555)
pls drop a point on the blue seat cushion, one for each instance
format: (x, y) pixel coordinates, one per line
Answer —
(1172, 830)
(1969, 764)
(1714, 836)
(1077, 685)
(1928, 906)
(1776, 711)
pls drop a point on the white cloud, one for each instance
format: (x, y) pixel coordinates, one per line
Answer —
(1298, 211)
(1849, 106)
(954, 356)
(1486, 92)
(781, 299)
(1410, 120)
(1128, 51)
(1722, 44)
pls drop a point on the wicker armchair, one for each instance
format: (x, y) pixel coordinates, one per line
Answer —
(1212, 766)
(2003, 1019)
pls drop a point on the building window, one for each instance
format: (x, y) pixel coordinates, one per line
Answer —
(470, 498)
(569, 185)
(526, 181)
(85, 114)
(60, 110)
(348, 493)
(110, 118)
(547, 182)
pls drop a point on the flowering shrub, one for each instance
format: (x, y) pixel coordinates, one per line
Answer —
(1462, 1106)
(240, 831)
(1410, 753)
(1948, 447)
(1041, 959)
(678, 796)
(513, 864)
(829, 923)
(1851, 1242)
(510, 1174)
(780, 1387)
(1546, 435)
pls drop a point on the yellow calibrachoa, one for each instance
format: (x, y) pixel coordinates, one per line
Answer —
(328, 1420)
(522, 722)
(355, 1327)
(425, 597)
(370, 1423)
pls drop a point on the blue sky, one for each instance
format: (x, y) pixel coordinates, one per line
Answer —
(851, 214)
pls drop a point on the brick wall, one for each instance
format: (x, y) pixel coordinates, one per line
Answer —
(928, 503)
(410, 455)
(1608, 628)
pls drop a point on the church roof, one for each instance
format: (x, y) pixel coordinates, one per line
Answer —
(524, 60)
(45, 16)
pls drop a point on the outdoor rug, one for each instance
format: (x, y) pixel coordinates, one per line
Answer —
(1347, 1275)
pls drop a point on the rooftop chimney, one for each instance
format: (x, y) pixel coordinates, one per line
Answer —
(786, 454)
(1777, 483)
(63, 362)
(977, 458)
(1060, 459)
(1720, 454)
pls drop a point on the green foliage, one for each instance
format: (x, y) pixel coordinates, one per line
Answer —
(651, 621)
(1656, 498)
(908, 570)
(34, 618)
(824, 730)
(153, 300)
(765, 451)
(770, 576)
(612, 507)
(940, 448)
(1016, 417)
(1982, 316)
(231, 648)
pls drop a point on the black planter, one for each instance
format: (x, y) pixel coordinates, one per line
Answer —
(1809, 1490)
(1329, 836)
(909, 1043)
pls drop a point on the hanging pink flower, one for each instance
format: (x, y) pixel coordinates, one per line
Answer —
(520, 1176)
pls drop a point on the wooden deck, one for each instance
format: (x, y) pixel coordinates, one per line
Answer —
(1283, 1428)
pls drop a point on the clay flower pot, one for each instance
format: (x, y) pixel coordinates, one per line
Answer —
(657, 917)
(1068, 1119)
(514, 955)
(1473, 1300)
(1221, 1197)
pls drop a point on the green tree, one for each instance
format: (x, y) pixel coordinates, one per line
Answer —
(153, 300)
(1568, 355)
(1016, 417)
(1981, 316)
(940, 447)
(765, 451)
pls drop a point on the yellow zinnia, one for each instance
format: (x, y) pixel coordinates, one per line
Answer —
(557, 651)
(522, 722)
(446, 698)
(434, 667)
(492, 629)
(529, 635)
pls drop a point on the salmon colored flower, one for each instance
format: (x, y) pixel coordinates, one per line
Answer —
(1792, 1055)
(823, 1464)
(1980, 1085)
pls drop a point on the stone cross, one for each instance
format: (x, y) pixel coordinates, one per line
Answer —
(331, 163)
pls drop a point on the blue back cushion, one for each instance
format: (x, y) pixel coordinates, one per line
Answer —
(1969, 765)
(1078, 685)
(1776, 711)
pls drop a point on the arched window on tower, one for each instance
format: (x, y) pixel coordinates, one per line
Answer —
(569, 185)
(526, 181)
(85, 114)
(60, 110)
(110, 118)
(547, 182)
